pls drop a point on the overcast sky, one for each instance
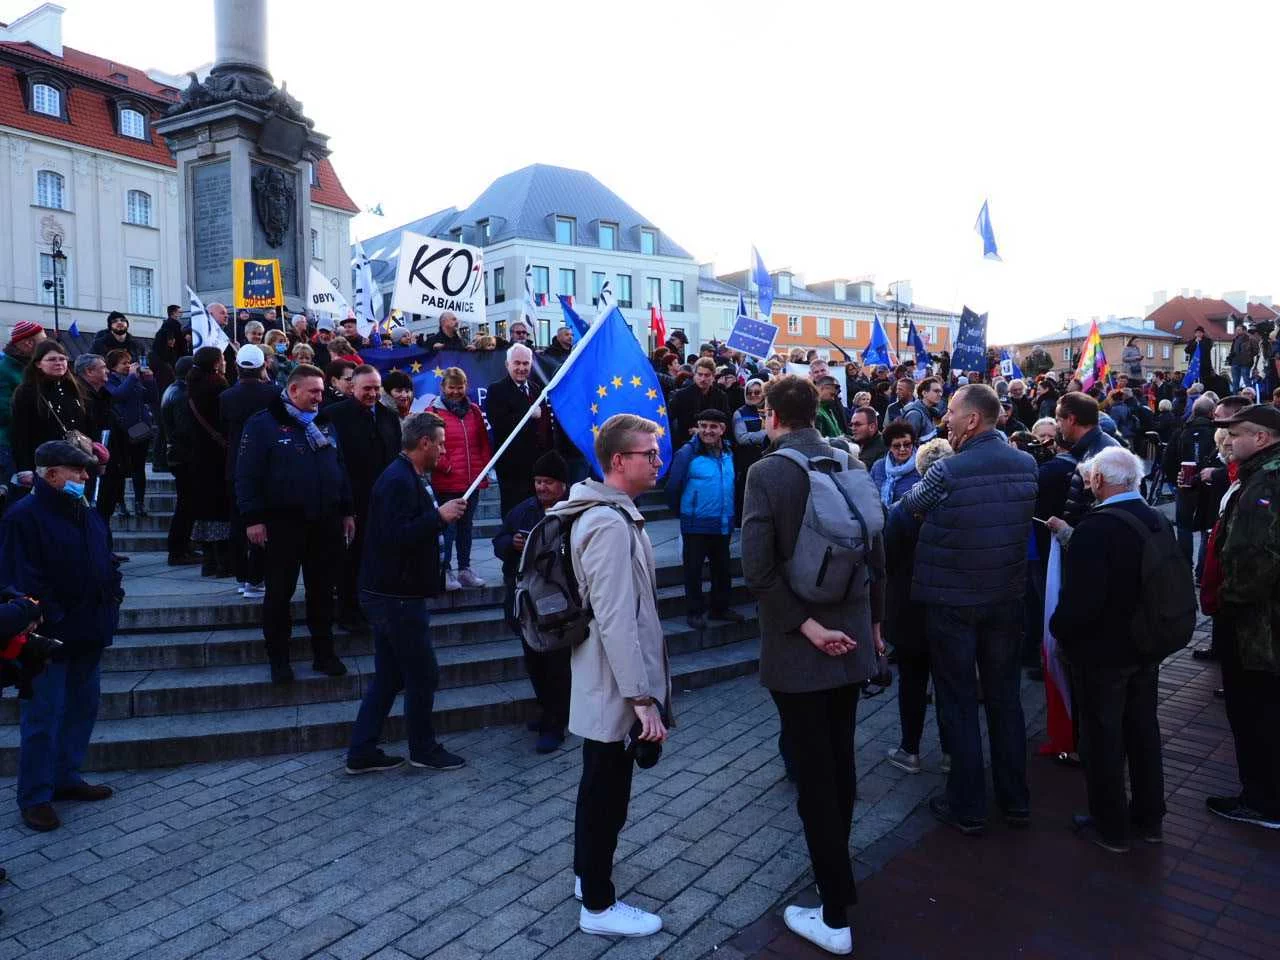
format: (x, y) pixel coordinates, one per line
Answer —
(1126, 147)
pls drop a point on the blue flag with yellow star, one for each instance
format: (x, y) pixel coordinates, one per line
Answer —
(609, 375)
(425, 369)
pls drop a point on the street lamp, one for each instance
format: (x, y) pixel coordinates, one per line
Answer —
(900, 310)
(54, 283)
(1070, 326)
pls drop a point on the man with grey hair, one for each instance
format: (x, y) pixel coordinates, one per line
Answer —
(448, 336)
(506, 402)
(91, 370)
(1114, 681)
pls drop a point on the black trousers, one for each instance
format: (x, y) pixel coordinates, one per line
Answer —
(111, 486)
(349, 573)
(713, 547)
(818, 728)
(313, 546)
(1117, 709)
(247, 561)
(549, 673)
(182, 521)
(603, 795)
(913, 697)
(1253, 710)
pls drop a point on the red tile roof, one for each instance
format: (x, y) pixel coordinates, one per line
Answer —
(89, 113)
(1182, 315)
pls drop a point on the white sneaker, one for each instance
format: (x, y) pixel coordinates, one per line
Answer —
(468, 578)
(240, 586)
(910, 762)
(577, 888)
(451, 582)
(807, 922)
(946, 763)
(621, 920)
(254, 591)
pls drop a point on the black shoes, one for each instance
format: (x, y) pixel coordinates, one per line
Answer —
(184, 559)
(377, 763)
(439, 759)
(330, 666)
(1204, 654)
(1083, 824)
(728, 615)
(281, 674)
(969, 826)
(41, 817)
(549, 742)
(83, 791)
(1233, 808)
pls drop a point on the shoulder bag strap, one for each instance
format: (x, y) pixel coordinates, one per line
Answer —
(214, 435)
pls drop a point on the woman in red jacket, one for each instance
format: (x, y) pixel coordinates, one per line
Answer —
(466, 453)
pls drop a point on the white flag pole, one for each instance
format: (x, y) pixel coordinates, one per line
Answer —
(528, 415)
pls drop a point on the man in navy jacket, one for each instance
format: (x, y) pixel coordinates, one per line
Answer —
(293, 494)
(55, 549)
(700, 487)
(399, 570)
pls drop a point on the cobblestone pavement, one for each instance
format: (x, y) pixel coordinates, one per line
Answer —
(288, 857)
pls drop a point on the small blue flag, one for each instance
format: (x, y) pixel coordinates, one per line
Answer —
(877, 350)
(916, 344)
(970, 351)
(74, 330)
(764, 284)
(1008, 368)
(608, 374)
(988, 235)
(742, 305)
(1193, 370)
(571, 318)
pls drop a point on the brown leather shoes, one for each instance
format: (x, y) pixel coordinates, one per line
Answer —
(83, 791)
(41, 817)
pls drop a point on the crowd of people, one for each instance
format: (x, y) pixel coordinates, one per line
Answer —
(918, 523)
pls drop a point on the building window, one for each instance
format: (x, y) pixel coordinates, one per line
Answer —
(784, 284)
(1066, 354)
(542, 280)
(824, 326)
(568, 282)
(655, 291)
(597, 284)
(313, 178)
(677, 296)
(1165, 351)
(50, 190)
(483, 229)
(141, 293)
(1151, 351)
(57, 283)
(138, 208)
(564, 230)
(46, 99)
(624, 290)
(499, 284)
(316, 252)
(727, 316)
(649, 242)
(793, 325)
(851, 329)
(132, 124)
(840, 289)
(608, 236)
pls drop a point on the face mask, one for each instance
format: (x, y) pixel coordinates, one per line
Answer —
(73, 488)
(281, 348)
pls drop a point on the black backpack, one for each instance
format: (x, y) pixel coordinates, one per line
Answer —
(1166, 617)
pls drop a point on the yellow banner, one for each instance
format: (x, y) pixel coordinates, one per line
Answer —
(256, 284)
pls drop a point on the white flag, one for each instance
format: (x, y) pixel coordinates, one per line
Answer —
(604, 301)
(530, 304)
(205, 331)
(368, 298)
(324, 297)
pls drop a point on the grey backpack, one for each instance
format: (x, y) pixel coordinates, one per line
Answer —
(842, 517)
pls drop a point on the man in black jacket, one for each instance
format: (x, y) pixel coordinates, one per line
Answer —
(1114, 684)
(399, 571)
(1077, 416)
(293, 493)
(691, 399)
(548, 672)
(116, 336)
(369, 434)
(1200, 343)
(250, 394)
(1196, 503)
(447, 336)
(506, 402)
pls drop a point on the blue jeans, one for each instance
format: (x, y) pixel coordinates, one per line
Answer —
(56, 725)
(402, 660)
(1241, 377)
(460, 533)
(989, 636)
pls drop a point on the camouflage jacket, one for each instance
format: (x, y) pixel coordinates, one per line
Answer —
(1249, 552)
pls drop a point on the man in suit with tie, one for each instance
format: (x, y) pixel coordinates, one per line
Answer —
(506, 402)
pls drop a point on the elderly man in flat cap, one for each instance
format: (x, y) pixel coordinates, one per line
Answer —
(55, 549)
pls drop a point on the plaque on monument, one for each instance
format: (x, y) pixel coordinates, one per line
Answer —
(211, 247)
(275, 235)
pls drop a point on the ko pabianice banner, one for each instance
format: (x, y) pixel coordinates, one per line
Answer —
(257, 284)
(435, 276)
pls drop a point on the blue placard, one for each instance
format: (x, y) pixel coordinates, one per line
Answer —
(752, 337)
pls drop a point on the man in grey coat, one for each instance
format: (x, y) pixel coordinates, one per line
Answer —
(813, 657)
(621, 680)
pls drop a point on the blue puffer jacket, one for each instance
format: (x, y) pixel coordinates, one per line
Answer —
(700, 487)
(277, 471)
(55, 548)
(973, 545)
(133, 399)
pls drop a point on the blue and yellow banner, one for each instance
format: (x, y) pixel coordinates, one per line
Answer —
(256, 284)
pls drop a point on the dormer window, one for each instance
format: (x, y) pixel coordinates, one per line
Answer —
(840, 290)
(649, 242)
(46, 99)
(133, 123)
(608, 236)
(784, 284)
(483, 229)
(564, 230)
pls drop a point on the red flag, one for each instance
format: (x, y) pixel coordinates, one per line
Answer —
(658, 324)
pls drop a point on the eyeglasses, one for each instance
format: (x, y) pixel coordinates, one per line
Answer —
(901, 445)
(650, 455)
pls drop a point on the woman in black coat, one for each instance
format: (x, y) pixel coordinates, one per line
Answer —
(210, 500)
(46, 405)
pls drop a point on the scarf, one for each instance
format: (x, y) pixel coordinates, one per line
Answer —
(892, 471)
(315, 436)
(459, 408)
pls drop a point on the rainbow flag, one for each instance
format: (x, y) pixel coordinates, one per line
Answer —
(1093, 360)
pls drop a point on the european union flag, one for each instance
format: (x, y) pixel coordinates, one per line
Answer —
(970, 351)
(764, 284)
(1193, 371)
(917, 344)
(482, 368)
(984, 230)
(877, 350)
(607, 374)
(74, 330)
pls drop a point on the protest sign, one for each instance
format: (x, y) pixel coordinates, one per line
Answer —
(435, 276)
(970, 352)
(753, 337)
(324, 297)
(256, 284)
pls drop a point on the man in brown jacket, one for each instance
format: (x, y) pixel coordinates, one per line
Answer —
(621, 686)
